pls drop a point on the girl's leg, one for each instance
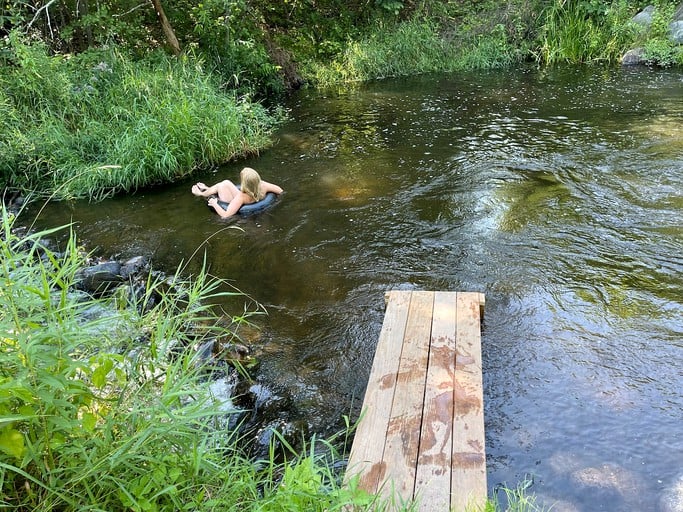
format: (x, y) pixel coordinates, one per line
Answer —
(225, 190)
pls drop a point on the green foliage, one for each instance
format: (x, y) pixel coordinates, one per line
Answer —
(580, 31)
(659, 49)
(79, 423)
(102, 123)
(227, 34)
(71, 26)
(663, 53)
(392, 6)
(413, 47)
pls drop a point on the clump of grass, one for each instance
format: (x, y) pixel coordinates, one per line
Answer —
(99, 123)
(575, 31)
(516, 499)
(413, 47)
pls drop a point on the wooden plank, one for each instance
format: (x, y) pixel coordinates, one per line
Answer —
(433, 480)
(403, 433)
(421, 435)
(366, 457)
(468, 486)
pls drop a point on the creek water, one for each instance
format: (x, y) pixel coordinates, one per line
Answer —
(557, 193)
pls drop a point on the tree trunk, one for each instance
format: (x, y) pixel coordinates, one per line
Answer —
(85, 10)
(166, 27)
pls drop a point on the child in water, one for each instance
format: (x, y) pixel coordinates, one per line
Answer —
(252, 189)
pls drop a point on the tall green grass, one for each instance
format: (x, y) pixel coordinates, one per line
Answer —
(413, 47)
(578, 31)
(99, 123)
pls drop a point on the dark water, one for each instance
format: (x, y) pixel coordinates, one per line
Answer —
(559, 194)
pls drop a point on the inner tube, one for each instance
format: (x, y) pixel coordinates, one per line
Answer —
(249, 209)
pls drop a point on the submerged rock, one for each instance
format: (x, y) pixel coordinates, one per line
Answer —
(99, 278)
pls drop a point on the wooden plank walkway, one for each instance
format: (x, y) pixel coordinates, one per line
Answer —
(421, 433)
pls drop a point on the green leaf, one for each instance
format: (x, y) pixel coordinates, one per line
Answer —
(89, 421)
(12, 442)
(99, 376)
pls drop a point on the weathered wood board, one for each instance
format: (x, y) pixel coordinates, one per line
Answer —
(421, 433)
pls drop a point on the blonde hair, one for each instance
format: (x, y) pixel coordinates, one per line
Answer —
(251, 183)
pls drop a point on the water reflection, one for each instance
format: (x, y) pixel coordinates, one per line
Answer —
(557, 193)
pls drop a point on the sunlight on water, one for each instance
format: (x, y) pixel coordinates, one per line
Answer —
(666, 133)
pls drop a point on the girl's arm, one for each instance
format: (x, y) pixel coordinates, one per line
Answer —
(270, 187)
(233, 206)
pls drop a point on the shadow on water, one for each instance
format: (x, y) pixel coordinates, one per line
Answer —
(559, 194)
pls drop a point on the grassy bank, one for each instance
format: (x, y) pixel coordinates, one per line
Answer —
(453, 37)
(99, 123)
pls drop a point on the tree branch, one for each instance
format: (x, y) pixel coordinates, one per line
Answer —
(35, 16)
